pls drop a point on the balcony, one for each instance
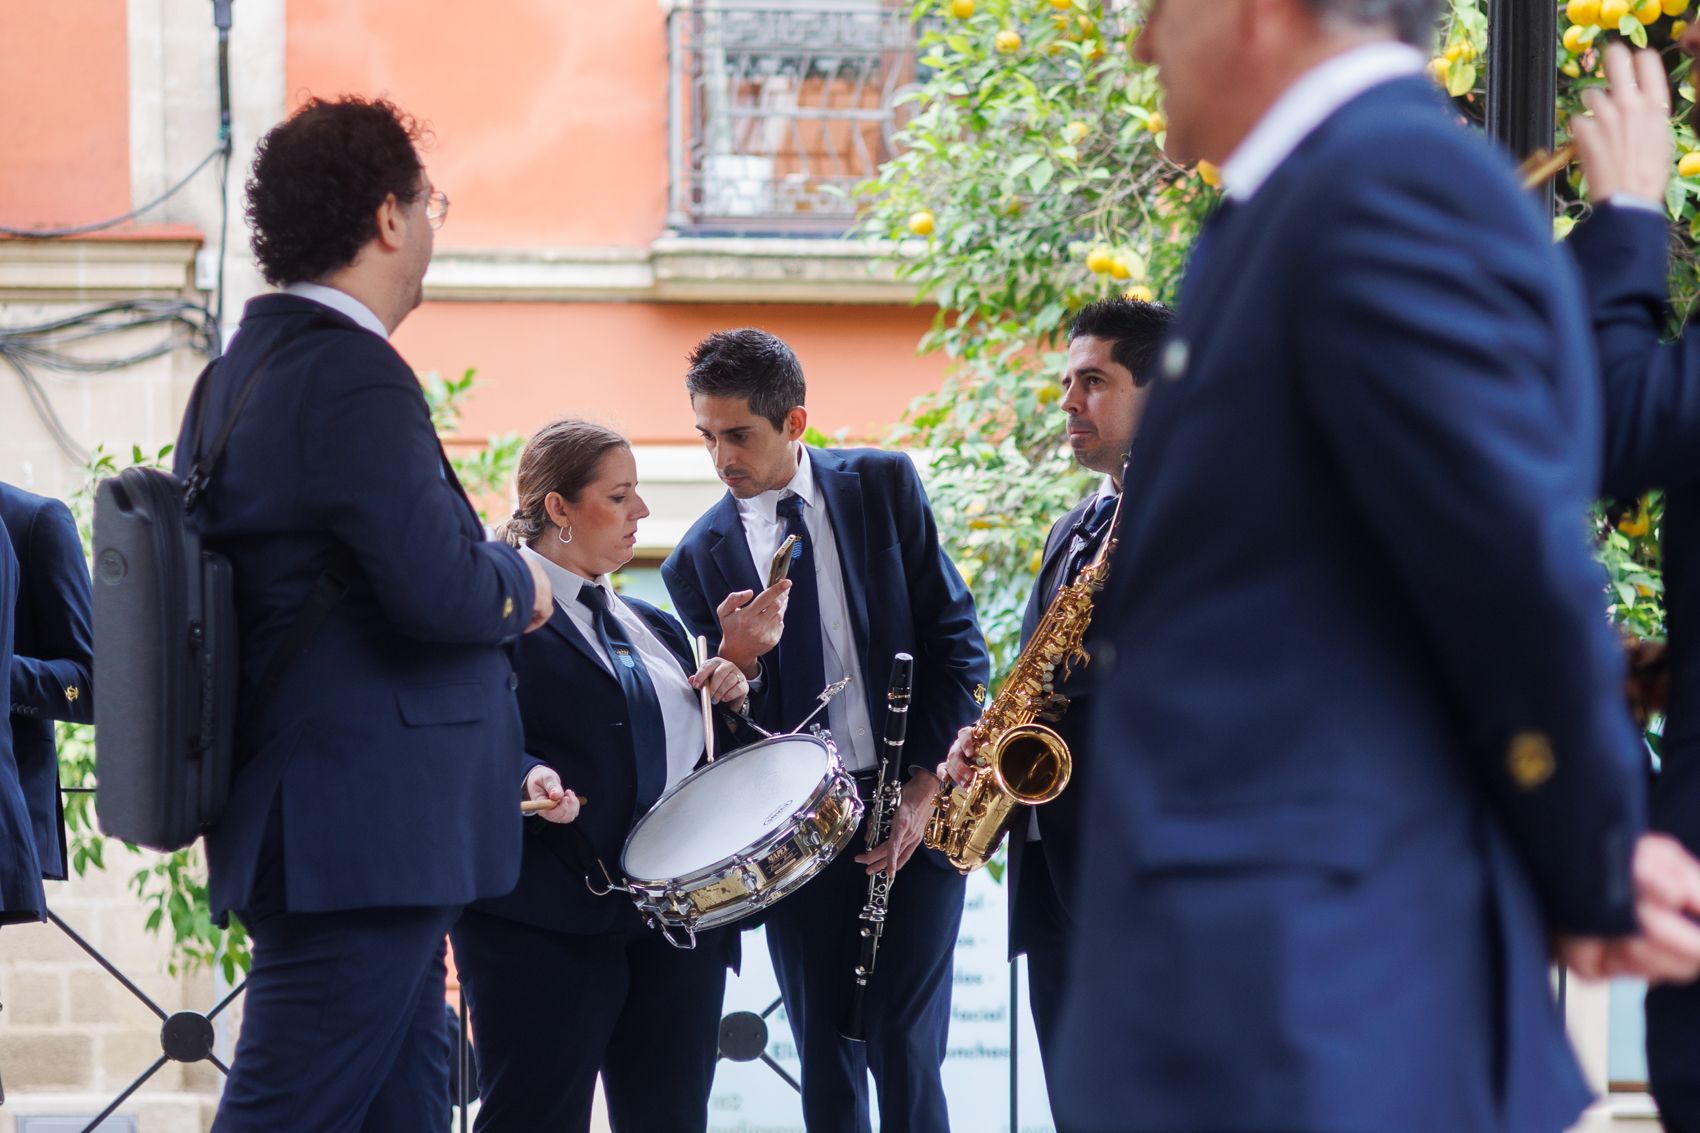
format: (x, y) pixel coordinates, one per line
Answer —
(777, 110)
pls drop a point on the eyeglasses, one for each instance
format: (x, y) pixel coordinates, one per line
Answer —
(437, 208)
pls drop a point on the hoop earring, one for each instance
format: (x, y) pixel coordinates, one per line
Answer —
(564, 534)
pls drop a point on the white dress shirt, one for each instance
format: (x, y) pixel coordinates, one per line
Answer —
(847, 715)
(1307, 104)
(681, 705)
(341, 302)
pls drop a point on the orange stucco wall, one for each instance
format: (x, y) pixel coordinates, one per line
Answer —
(623, 363)
(64, 112)
(550, 116)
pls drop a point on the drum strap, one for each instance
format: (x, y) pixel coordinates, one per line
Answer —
(569, 844)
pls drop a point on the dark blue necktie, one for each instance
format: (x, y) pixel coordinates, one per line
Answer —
(802, 668)
(649, 734)
(1089, 536)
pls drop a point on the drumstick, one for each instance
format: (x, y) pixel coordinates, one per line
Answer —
(532, 806)
(700, 648)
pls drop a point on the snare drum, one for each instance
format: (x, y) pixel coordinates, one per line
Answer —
(740, 833)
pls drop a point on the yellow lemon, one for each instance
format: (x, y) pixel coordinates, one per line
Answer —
(921, 223)
(1156, 123)
(1677, 27)
(1439, 68)
(1087, 24)
(1209, 173)
(1061, 23)
(1098, 260)
(1119, 268)
(1574, 41)
(1011, 205)
(1037, 561)
(1048, 394)
(1674, 7)
(1634, 527)
(1139, 293)
(962, 9)
(1583, 13)
(1062, 5)
(1573, 69)
(1643, 589)
(1454, 52)
(1688, 165)
(1075, 132)
(1612, 12)
(1009, 42)
(1648, 11)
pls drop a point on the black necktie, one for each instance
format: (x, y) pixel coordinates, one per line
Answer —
(802, 667)
(649, 734)
(1089, 536)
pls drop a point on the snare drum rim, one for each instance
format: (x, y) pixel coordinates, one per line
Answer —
(763, 845)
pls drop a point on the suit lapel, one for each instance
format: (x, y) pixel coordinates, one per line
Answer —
(559, 622)
(1058, 549)
(730, 551)
(841, 489)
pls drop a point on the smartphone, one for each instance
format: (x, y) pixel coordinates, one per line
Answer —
(781, 564)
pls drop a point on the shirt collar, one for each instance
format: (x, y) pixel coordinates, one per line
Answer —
(566, 584)
(802, 484)
(342, 303)
(1307, 104)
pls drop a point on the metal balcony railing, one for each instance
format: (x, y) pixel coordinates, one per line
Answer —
(776, 110)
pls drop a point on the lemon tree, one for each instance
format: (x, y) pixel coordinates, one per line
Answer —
(1030, 180)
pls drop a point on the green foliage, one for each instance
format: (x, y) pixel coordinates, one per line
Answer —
(173, 887)
(1033, 177)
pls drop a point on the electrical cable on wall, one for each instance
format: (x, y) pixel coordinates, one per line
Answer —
(25, 347)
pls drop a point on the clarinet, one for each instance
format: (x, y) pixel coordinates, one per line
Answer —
(884, 807)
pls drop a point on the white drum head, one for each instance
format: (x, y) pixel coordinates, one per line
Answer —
(725, 807)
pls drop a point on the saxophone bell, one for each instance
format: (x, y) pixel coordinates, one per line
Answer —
(1031, 764)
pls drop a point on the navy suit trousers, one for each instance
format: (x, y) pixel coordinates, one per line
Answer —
(550, 1010)
(342, 1029)
(1044, 924)
(812, 936)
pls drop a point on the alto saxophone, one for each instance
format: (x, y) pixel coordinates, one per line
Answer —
(1019, 760)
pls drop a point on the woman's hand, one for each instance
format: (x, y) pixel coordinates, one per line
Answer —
(544, 782)
(724, 681)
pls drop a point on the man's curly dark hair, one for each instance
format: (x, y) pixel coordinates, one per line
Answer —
(318, 179)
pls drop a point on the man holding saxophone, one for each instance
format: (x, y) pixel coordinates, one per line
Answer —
(1111, 346)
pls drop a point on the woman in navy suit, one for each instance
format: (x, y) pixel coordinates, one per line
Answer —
(563, 984)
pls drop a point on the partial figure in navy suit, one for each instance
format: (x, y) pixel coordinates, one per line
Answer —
(53, 655)
(868, 580)
(1105, 385)
(563, 984)
(21, 898)
(1366, 712)
(379, 789)
(1652, 412)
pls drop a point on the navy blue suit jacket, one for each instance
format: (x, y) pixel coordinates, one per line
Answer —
(1365, 709)
(53, 655)
(577, 721)
(904, 593)
(1652, 397)
(1059, 819)
(390, 756)
(21, 897)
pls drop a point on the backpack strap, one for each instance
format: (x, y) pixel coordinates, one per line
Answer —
(203, 468)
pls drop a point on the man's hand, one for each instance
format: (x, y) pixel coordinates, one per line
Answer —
(1667, 898)
(544, 783)
(1625, 145)
(907, 826)
(959, 764)
(543, 595)
(750, 627)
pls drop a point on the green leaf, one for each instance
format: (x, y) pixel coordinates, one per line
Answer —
(1461, 80)
(1040, 175)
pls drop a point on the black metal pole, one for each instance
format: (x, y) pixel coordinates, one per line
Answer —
(1523, 78)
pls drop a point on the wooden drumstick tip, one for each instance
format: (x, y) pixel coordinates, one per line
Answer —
(532, 806)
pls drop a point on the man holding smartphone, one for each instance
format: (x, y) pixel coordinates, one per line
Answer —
(868, 579)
